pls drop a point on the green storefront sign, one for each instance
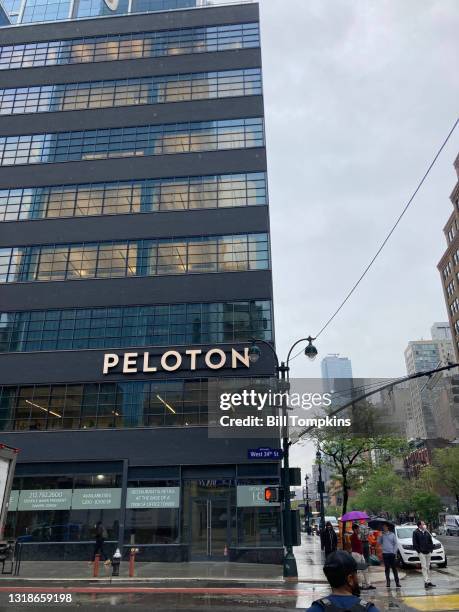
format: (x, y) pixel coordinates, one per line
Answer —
(90, 499)
(45, 499)
(153, 497)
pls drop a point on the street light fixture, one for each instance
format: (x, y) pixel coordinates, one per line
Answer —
(283, 376)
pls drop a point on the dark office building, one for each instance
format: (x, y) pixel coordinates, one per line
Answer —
(134, 266)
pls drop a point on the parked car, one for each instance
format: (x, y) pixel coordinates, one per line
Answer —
(406, 554)
(452, 524)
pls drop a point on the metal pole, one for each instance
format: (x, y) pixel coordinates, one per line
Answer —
(321, 491)
(306, 507)
(290, 569)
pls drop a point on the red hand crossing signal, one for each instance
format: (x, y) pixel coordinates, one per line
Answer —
(272, 494)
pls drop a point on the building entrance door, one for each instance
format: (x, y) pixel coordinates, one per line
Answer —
(209, 522)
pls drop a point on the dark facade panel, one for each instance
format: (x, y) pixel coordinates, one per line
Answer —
(129, 168)
(173, 446)
(127, 116)
(97, 71)
(86, 366)
(137, 226)
(137, 290)
(167, 20)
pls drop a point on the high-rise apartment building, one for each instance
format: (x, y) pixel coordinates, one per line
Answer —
(449, 265)
(422, 355)
(134, 268)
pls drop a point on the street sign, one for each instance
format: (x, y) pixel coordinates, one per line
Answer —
(264, 453)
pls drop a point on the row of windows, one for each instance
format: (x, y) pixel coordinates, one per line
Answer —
(125, 92)
(101, 405)
(123, 197)
(452, 231)
(450, 288)
(52, 10)
(456, 257)
(112, 47)
(448, 269)
(135, 258)
(162, 325)
(454, 306)
(131, 141)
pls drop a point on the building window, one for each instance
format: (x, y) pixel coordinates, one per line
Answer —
(127, 197)
(456, 257)
(162, 325)
(131, 142)
(451, 233)
(450, 288)
(115, 47)
(447, 270)
(126, 92)
(233, 253)
(454, 306)
(161, 403)
(71, 523)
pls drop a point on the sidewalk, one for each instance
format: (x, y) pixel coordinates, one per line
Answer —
(309, 559)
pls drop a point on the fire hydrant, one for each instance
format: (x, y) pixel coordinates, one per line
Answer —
(116, 560)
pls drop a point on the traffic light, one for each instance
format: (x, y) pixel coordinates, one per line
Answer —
(272, 494)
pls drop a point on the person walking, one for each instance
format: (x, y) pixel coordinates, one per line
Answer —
(330, 539)
(388, 543)
(101, 536)
(357, 553)
(423, 545)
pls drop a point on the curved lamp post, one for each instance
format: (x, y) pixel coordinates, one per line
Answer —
(283, 376)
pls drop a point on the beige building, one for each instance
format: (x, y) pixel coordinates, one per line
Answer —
(449, 265)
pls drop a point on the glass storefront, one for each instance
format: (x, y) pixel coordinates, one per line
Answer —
(207, 517)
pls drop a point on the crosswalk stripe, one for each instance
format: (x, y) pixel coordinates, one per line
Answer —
(433, 603)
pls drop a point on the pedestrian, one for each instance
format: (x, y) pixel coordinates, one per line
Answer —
(330, 539)
(340, 570)
(357, 553)
(101, 536)
(423, 545)
(364, 537)
(389, 546)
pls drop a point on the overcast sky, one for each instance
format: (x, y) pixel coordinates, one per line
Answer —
(359, 95)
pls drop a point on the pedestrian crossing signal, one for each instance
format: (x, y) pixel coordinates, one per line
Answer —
(272, 494)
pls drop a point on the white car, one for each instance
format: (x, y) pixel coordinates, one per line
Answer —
(406, 554)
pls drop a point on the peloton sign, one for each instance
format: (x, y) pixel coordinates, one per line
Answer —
(172, 360)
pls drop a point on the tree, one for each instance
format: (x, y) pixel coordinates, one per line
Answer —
(426, 505)
(348, 451)
(383, 492)
(446, 464)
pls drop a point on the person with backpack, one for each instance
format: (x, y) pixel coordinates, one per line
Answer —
(340, 570)
(423, 545)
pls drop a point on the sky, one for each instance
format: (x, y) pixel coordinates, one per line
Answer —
(359, 95)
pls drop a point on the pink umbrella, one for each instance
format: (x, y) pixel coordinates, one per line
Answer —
(355, 515)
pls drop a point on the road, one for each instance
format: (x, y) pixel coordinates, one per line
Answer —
(451, 544)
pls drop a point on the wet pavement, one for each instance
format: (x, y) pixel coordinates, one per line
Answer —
(219, 586)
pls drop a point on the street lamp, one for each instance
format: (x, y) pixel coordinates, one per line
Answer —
(283, 377)
(320, 486)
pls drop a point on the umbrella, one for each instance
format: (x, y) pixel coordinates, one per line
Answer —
(355, 515)
(377, 522)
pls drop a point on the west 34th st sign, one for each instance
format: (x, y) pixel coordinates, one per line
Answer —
(172, 360)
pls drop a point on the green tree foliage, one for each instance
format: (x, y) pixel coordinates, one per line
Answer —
(446, 465)
(383, 491)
